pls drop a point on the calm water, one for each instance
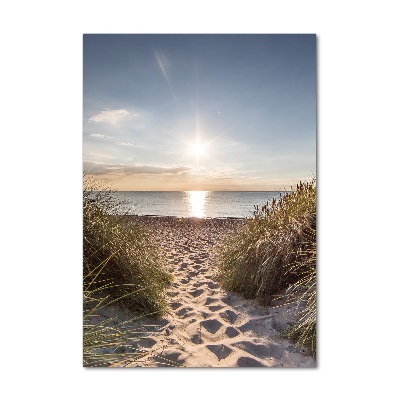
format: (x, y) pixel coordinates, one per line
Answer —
(194, 204)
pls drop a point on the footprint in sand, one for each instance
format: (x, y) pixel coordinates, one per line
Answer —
(229, 300)
(169, 358)
(175, 305)
(259, 350)
(212, 285)
(221, 351)
(183, 266)
(210, 300)
(196, 338)
(203, 270)
(196, 293)
(211, 325)
(183, 311)
(229, 316)
(248, 362)
(215, 308)
(231, 332)
(259, 326)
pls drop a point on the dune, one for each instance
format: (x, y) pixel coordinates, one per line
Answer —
(207, 326)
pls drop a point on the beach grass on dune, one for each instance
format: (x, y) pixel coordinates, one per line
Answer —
(122, 268)
(304, 290)
(120, 257)
(274, 252)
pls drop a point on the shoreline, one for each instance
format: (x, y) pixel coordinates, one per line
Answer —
(182, 218)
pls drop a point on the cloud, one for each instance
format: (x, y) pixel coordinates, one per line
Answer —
(133, 169)
(111, 116)
(150, 169)
(100, 136)
(110, 140)
(92, 159)
(124, 144)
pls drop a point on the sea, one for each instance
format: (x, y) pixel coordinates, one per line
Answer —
(200, 204)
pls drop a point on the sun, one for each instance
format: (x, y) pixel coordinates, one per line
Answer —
(197, 149)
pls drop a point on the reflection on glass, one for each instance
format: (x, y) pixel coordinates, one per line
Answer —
(197, 202)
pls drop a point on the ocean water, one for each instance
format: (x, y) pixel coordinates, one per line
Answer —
(194, 203)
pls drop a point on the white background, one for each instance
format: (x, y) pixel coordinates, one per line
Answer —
(41, 136)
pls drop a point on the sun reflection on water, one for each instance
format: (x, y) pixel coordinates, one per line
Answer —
(197, 202)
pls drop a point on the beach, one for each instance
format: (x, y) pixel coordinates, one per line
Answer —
(205, 325)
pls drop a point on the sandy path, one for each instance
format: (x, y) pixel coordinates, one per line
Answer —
(207, 326)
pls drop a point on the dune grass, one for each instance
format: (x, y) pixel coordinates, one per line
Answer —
(274, 252)
(122, 267)
(121, 256)
(304, 290)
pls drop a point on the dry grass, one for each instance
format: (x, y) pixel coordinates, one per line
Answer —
(122, 267)
(276, 251)
(121, 257)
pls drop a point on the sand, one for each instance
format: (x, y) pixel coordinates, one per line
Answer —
(207, 326)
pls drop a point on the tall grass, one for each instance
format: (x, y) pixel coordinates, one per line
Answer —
(304, 290)
(122, 267)
(276, 251)
(121, 257)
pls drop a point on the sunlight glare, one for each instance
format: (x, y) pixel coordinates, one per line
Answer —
(197, 202)
(198, 150)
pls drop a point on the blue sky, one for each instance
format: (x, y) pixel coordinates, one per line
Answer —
(199, 112)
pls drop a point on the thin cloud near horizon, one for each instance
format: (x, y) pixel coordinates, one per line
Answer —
(104, 169)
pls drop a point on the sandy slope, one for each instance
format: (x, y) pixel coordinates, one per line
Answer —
(206, 326)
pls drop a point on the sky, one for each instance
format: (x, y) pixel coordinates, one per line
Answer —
(199, 112)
